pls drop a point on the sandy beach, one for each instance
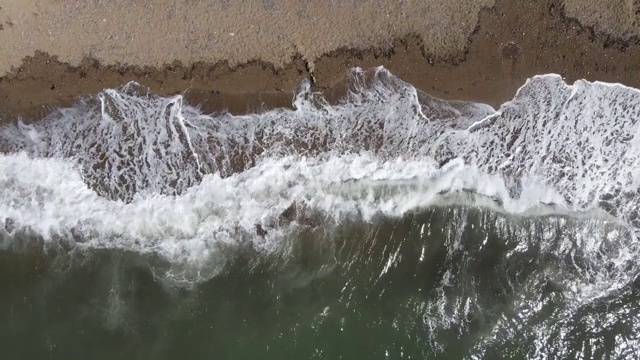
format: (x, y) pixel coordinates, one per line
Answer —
(251, 56)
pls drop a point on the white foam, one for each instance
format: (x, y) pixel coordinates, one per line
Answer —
(146, 173)
(128, 142)
(48, 196)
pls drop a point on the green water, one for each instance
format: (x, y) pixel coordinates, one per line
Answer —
(439, 284)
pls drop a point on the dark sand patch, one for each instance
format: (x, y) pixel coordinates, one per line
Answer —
(512, 41)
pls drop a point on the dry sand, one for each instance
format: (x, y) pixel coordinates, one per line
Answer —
(157, 32)
(244, 55)
(619, 18)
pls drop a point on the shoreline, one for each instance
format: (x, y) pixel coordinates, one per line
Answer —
(510, 43)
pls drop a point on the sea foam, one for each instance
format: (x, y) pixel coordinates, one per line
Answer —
(130, 170)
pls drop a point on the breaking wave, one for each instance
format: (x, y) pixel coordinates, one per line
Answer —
(554, 174)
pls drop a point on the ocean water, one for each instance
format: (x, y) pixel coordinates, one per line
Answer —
(391, 225)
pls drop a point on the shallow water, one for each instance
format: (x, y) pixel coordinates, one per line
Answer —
(391, 225)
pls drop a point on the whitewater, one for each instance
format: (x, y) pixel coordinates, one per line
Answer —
(554, 174)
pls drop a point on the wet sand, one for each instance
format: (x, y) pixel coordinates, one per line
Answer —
(469, 50)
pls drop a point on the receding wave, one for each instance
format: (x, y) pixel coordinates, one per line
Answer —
(486, 228)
